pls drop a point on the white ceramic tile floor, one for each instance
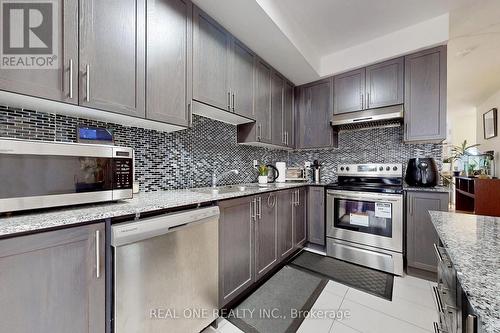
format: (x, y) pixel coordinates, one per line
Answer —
(411, 310)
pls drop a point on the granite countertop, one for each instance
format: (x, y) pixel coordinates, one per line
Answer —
(141, 203)
(438, 188)
(473, 245)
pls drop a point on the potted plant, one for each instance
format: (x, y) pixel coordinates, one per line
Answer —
(263, 172)
(461, 153)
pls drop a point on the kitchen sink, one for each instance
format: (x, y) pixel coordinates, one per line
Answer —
(224, 189)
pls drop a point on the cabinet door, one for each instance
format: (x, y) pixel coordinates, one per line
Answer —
(277, 89)
(425, 95)
(210, 61)
(421, 235)
(288, 118)
(349, 92)
(242, 80)
(384, 84)
(266, 251)
(52, 84)
(235, 247)
(112, 55)
(168, 75)
(300, 218)
(316, 215)
(285, 223)
(314, 114)
(263, 102)
(52, 276)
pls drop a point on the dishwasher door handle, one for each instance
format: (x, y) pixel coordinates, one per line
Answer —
(132, 232)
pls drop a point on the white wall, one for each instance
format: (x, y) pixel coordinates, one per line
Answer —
(494, 143)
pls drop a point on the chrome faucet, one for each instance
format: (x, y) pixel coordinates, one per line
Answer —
(215, 178)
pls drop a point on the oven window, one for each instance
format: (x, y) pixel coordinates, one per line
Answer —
(36, 175)
(364, 216)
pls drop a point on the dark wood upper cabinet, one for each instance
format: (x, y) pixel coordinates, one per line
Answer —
(384, 84)
(277, 108)
(168, 75)
(314, 106)
(236, 249)
(211, 54)
(112, 55)
(53, 277)
(266, 251)
(349, 92)
(263, 84)
(425, 96)
(421, 235)
(53, 84)
(242, 80)
(288, 119)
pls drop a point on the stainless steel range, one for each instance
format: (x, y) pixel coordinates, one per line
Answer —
(365, 216)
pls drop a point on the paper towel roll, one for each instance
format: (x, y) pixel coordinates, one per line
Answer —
(281, 166)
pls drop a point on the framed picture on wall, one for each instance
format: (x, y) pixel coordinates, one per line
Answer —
(490, 123)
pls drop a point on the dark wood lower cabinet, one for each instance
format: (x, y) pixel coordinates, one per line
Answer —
(421, 235)
(256, 234)
(266, 250)
(236, 247)
(316, 215)
(50, 282)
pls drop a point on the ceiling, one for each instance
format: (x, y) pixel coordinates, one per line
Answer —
(473, 55)
(306, 40)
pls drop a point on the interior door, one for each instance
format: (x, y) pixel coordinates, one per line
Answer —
(349, 92)
(384, 84)
(211, 45)
(266, 252)
(242, 77)
(168, 75)
(61, 83)
(112, 55)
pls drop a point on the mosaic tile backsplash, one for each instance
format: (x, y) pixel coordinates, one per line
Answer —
(187, 158)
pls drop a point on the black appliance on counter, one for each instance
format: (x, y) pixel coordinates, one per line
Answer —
(422, 172)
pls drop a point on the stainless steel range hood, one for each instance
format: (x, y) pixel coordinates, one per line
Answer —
(371, 115)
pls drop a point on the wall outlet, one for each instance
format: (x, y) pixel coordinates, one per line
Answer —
(255, 163)
(307, 164)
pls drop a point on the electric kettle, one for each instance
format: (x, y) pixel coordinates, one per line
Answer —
(273, 173)
(422, 172)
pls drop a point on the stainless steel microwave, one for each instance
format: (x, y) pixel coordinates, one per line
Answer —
(38, 174)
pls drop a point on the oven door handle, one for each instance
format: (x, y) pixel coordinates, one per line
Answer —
(363, 197)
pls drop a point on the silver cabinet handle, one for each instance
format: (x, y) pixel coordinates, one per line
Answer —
(259, 212)
(233, 102)
(229, 100)
(298, 197)
(367, 100)
(471, 324)
(438, 254)
(190, 115)
(71, 78)
(97, 255)
(362, 101)
(87, 83)
(259, 132)
(437, 298)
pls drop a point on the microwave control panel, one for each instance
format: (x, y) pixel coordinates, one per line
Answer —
(123, 173)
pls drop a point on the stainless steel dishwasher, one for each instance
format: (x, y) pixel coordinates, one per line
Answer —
(166, 272)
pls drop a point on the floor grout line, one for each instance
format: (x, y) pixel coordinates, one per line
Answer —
(338, 309)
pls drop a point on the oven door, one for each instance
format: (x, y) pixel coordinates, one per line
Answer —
(373, 219)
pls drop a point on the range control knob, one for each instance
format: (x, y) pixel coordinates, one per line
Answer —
(341, 168)
(381, 168)
(387, 168)
(346, 168)
(395, 168)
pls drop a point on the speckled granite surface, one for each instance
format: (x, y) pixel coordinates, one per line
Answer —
(427, 189)
(473, 244)
(143, 202)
